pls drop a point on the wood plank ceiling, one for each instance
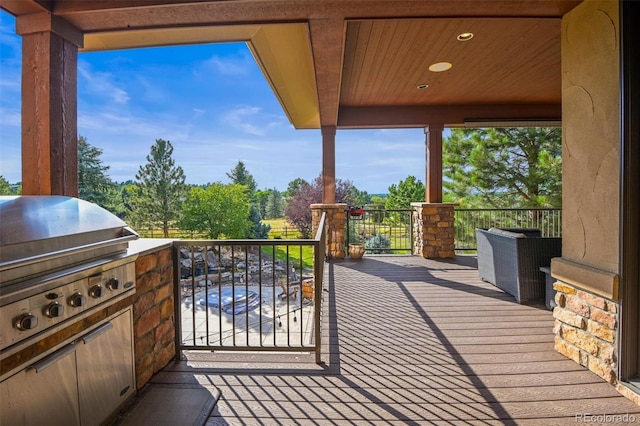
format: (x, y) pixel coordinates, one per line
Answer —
(369, 56)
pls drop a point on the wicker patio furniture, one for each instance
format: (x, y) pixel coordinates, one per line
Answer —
(511, 260)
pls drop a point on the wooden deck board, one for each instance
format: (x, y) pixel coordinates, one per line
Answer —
(410, 341)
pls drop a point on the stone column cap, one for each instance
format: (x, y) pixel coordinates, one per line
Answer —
(422, 203)
(328, 206)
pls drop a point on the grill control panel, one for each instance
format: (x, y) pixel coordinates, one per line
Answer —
(30, 316)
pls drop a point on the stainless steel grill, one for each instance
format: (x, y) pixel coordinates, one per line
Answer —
(62, 260)
(43, 233)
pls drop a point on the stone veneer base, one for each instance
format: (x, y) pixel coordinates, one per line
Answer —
(586, 325)
(433, 230)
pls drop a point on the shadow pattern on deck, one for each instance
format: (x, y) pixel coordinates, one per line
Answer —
(409, 341)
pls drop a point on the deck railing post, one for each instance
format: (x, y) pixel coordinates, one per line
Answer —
(318, 264)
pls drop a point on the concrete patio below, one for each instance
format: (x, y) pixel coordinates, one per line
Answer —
(410, 341)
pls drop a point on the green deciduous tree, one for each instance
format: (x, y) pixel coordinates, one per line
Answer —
(160, 188)
(262, 197)
(504, 167)
(401, 196)
(93, 183)
(241, 176)
(5, 188)
(221, 211)
(360, 198)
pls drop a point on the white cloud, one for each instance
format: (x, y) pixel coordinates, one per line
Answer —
(230, 66)
(237, 118)
(101, 83)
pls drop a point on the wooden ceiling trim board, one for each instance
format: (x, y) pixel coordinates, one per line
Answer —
(365, 38)
(417, 74)
(388, 80)
(350, 61)
(356, 59)
(386, 50)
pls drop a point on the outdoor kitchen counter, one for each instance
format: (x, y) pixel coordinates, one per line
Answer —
(144, 246)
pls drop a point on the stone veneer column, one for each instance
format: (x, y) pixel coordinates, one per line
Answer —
(153, 314)
(433, 230)
(336, 226)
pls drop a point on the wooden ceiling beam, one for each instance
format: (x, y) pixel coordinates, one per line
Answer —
(25, 7)
(327, 42)
(347, 8)
(111, 15)
(450, 115)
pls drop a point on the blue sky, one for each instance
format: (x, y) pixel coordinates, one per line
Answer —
(214, 105)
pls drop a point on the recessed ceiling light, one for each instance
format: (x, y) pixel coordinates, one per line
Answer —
(440, 66)
(465, 36)
(422, 86)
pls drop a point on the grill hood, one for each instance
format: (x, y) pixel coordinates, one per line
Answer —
(45, 233)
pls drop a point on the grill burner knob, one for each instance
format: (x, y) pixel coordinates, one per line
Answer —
(113, 284)
(54, 310)
(77, 299)
(96, 291)
(26, 322)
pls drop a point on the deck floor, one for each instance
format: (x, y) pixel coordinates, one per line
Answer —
(409, 341)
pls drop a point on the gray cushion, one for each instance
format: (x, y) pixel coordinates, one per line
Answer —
(507, 233)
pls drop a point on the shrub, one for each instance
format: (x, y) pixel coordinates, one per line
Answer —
(379, 243)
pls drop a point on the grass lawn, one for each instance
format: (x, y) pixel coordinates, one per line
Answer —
(280, 229)
(296, 253)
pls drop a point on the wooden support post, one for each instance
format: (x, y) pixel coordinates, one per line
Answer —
(433, 187)
(49, 104)
(328, 164)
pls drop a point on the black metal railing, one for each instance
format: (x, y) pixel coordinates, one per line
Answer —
(549, 221)
(250, 295)
(381, 231)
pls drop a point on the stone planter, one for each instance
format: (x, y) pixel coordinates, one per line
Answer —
(356, 250)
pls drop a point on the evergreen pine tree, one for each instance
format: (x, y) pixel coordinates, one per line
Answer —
(160, 188)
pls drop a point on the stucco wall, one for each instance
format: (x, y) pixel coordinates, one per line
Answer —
(590, 116)
(587, 312)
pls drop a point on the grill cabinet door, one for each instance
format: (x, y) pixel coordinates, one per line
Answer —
(45, 393)
(105, 369)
